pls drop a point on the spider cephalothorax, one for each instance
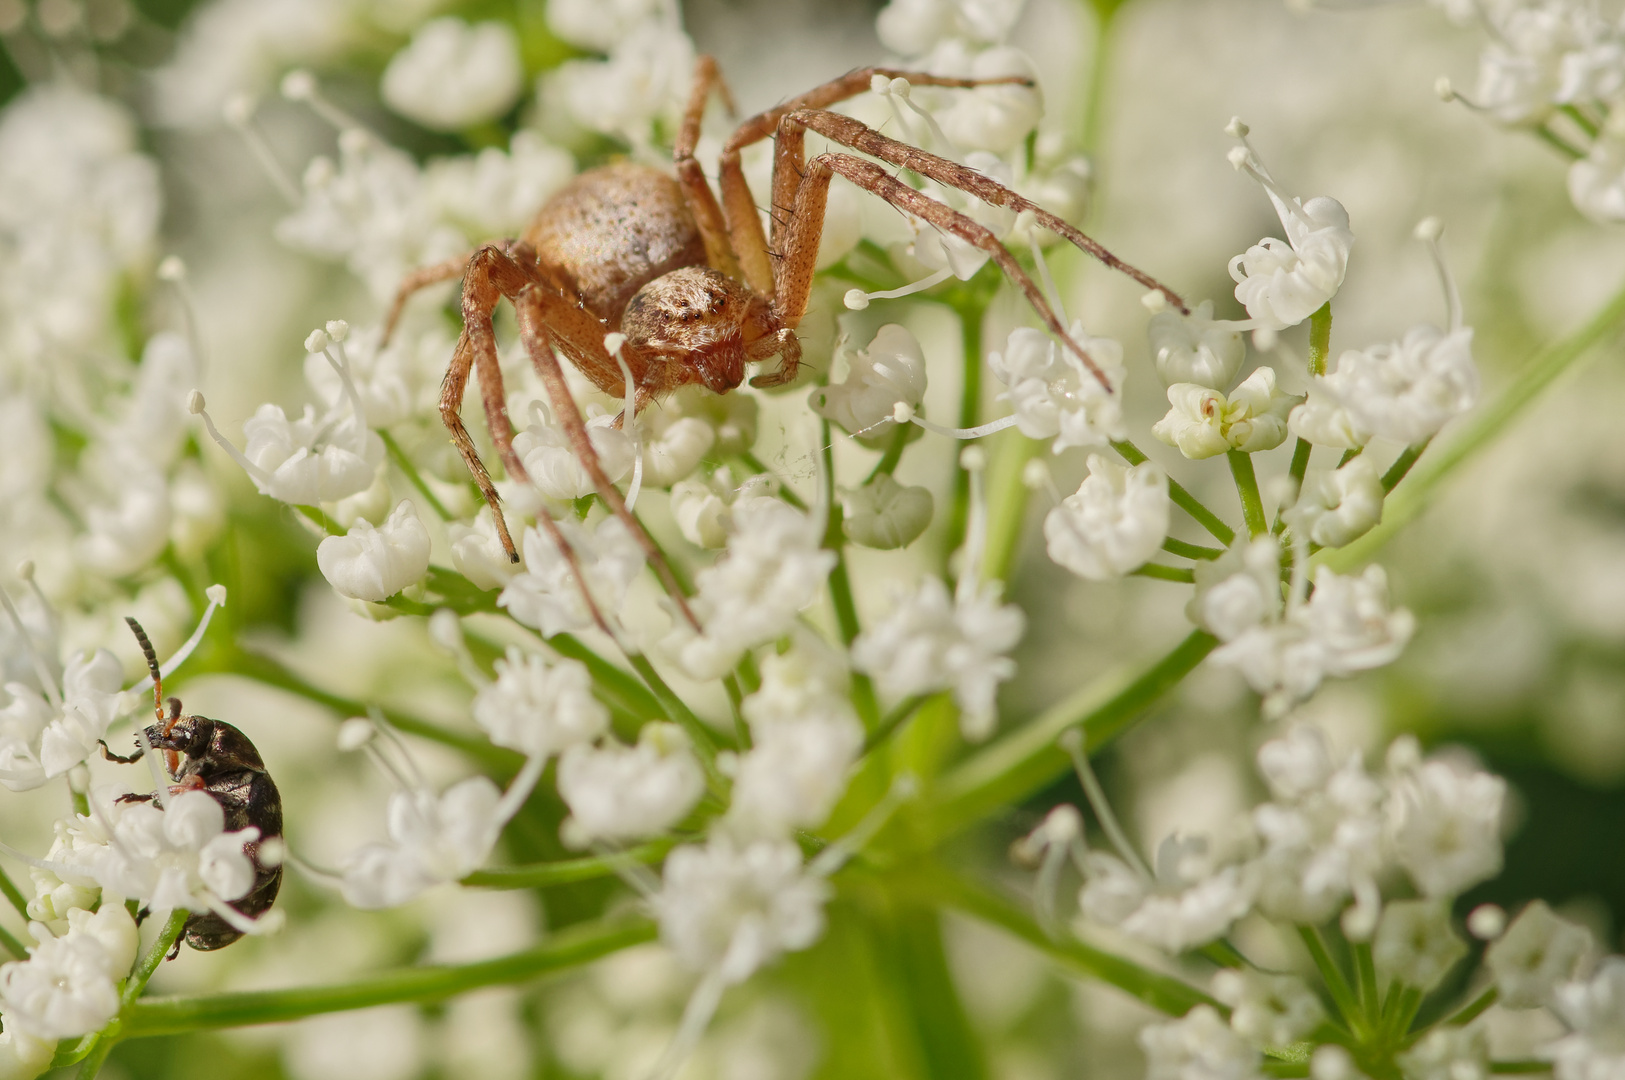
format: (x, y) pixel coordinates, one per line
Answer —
(632, 274)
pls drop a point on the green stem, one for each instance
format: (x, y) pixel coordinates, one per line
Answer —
(893, 720)
(92, 1052)
(1515, 1067)
(736, 701)
(1332, 976)
(1162, 992)
(435, 982)
(1027, 760)
(1412, 498)
(1471, 1011)
(1190, 551)
(1581, 120)
(1166, 573)
(1365, 971)
(1252, 504)
(12, 945)
(154, 956)
(568, 871)
(1300, 466)
(263, 669)
(970, 407)
(1402, 465)
(892, 454)
(1183, 499)
(1560, 144)
(410, 471)
(1320, 338)
(840, 586)
(13, 894)
(1349, 455)
(676, 711)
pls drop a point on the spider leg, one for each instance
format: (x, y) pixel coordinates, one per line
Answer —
(744, 225)
(864, 139)
(795, 268)
(544, 315)
(719, 254)
(491, 273)
(421, 278)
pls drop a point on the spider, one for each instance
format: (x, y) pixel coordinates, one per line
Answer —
(694, 287)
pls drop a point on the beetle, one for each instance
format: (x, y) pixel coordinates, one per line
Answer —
(223, 762)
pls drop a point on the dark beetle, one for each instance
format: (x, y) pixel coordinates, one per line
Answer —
(223, 762)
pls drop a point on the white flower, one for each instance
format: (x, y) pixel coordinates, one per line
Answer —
(1115, 522)
(1203, 422)
(68, 985)
(1323, 420)
(551, 462)
(644, 81)
(375, 564)
(494, 193)
(1054, 395)
(702, 509)
(130, 530)
(477, 552)
(734, 908)
(90, 702)
(773, 568)
(618, 792)
(1193, 348)
(931, 642)
(884, 514)
(1595, 1012)
(1448, 1053)
(393, 383)
(1322, 836)
(453, 75)
(1415, 943)
(1239, 590)
(1350, 621)
(674, 448)
(913, 27)
(1192, 900)
(1409, 389)
(307, 462)
(546, 595)
(539, 707)
(1337, 506)
(599, 24)
(805, 737)
(432, 840)
(1199, 1047)
(1597, 181)
(22, 1056)
(1444, 821)
(1537, 952)
(1268, 1010)
(177, 857)
(890, 370)
(1282, 283)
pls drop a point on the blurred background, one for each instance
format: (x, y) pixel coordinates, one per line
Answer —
(1517, 572)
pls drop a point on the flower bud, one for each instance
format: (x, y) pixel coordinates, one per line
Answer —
(884, 514)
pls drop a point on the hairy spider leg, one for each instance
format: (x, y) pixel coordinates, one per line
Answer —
(702, 203)
(860, 137)
(546, 316)
(744, 224)
(421, 278)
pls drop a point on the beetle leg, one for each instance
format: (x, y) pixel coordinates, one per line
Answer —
(110, 756)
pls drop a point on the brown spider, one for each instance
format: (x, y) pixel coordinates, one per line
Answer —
(695, 287)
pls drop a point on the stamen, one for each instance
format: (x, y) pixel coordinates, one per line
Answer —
(857, 299)
(239, 113)
(1035, 476)
(411, 777)
(196, 405)
(518, 792)
(1071, 741)
(964, 433)
(173, 271)
(1245, 159)
(331, 346)
(629, 417)
(301, 85)
(268, 923)
(1062, 833)
(833, 857)
(697, 1014)
(216, 595)
(973, 459)
(42, 670)
(446, 631)
(1428, 230)
(61, 870)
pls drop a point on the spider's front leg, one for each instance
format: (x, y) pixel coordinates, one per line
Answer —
(546, 318)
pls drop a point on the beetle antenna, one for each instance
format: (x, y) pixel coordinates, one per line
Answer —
(152, 666)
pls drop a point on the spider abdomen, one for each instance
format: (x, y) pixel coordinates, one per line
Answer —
(611, 231)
